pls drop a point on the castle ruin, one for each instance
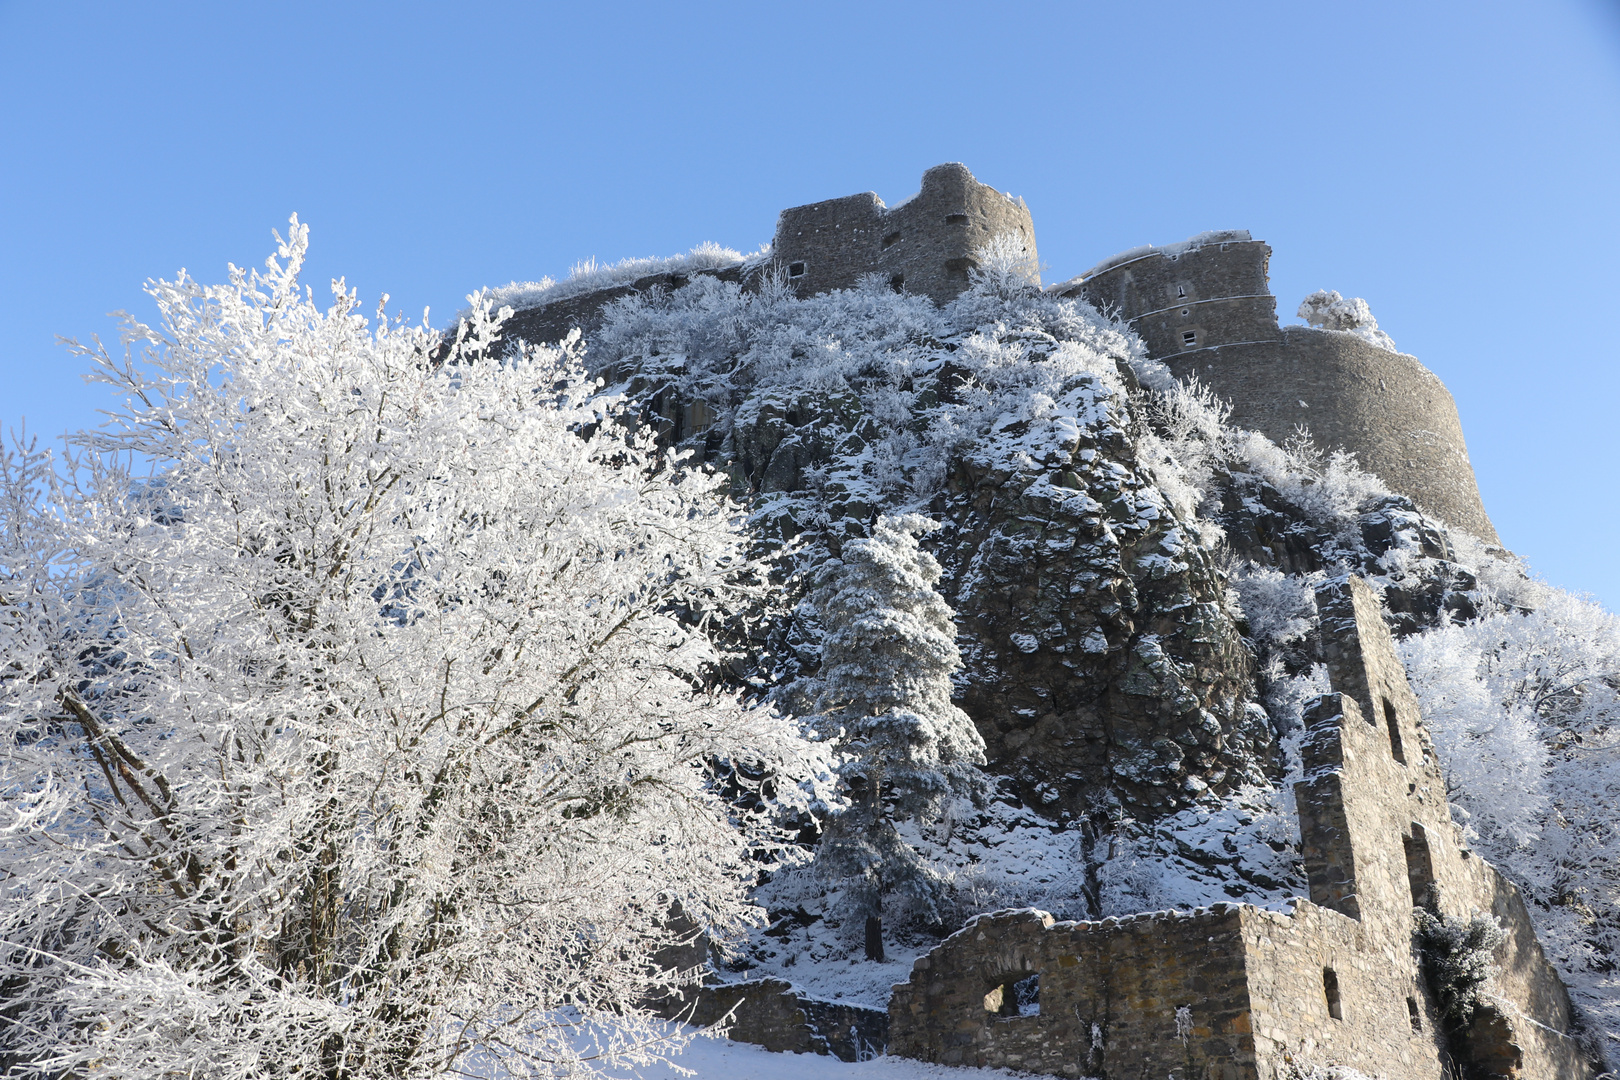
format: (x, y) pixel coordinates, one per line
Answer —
(1237, 992)
(1204, 307)
(922, 245)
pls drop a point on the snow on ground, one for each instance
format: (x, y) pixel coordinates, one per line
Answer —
(1244, 849)
(723, 1059)
(708, 1057)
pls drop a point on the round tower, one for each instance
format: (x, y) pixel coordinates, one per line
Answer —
(1205, 308)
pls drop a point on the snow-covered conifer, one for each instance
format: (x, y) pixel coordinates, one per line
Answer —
(884, 690)
(371, 729)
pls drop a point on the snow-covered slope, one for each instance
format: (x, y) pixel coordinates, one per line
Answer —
(1133, 581)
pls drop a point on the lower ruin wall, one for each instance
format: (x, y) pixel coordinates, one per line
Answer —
(1232, 992)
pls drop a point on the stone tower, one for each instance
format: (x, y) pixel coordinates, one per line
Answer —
(1205, 308)
(922, 245)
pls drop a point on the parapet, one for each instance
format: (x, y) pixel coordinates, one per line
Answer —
(922, 245)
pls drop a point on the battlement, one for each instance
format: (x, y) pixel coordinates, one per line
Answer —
(923, 245)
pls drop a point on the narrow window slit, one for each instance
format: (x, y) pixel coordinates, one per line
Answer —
(956, 219)
(1394, 723)
(1419, 866)
(1415, 1015)
(1330, 986)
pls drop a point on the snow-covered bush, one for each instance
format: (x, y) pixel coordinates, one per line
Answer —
(1457, 960)
(371, 728)
(590, 275)
(1525, 713)
(883, 694)
(1328, 310)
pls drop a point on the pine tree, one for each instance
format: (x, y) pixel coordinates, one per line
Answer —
(884, 690)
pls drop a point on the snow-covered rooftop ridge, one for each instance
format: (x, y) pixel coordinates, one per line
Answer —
(1214, 236)
(589, 276)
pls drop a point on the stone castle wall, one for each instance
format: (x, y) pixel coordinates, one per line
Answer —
(923, 245)
(1241, 992)
(1205, 308)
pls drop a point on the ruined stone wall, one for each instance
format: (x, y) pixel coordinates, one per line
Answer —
(1378, 838)
(1239, 991)
(1141, 997)
(1190, 296)
(767, 1013)
(1205, 308)
(1295, 960)
(924, 245)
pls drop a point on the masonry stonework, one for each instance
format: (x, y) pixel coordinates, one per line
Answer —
(1205, 308)
(1237, 992)
(1232, 992)
(924, 245)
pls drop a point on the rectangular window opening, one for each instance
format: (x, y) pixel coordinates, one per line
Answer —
(1330, 986)
(892, 239)
(956, 219)
(1189, 337)
(1015, 997)
(1415, 1015)
(1419, 866)
(1394, 723)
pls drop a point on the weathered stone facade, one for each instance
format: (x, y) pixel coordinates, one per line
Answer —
(1237, 991)
(923, 245)
(1205, 308)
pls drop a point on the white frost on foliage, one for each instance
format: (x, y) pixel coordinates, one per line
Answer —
(1524, 707)
(1280, 608)
(364, 732)
(1327, 310)
(589, 276)
(883, 698)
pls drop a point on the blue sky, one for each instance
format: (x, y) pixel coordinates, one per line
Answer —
(1453, 163)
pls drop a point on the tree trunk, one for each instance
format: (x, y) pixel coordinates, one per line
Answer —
(874, 938)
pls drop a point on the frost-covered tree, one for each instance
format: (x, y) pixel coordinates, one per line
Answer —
(374, 728)
(1327, 310)
(884, 692)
